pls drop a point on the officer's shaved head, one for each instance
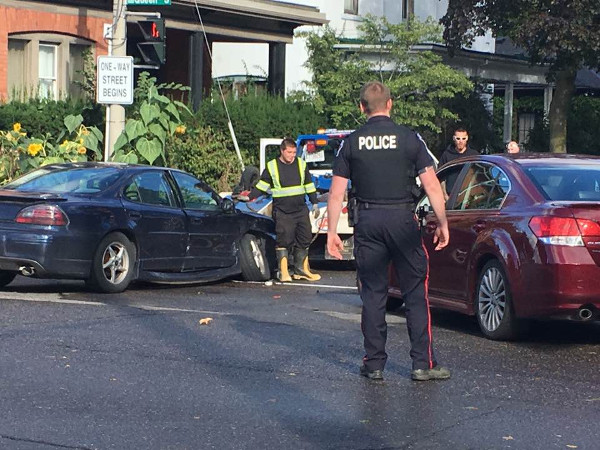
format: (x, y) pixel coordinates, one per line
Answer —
(374, 97)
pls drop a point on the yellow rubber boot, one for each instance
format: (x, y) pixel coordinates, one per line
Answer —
(301, 267)
(283, 273)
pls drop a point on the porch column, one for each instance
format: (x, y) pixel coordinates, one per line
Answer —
(199, 67)
(508, 112)
(276, 83)
(548, 90)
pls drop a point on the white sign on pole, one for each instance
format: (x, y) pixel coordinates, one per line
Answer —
(115, 80)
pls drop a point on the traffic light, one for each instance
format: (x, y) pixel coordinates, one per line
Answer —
(153, 46)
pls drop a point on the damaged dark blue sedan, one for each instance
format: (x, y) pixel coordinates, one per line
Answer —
(110, 224)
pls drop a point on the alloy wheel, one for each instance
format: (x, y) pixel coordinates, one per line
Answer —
(492, 299)
(257, 255)
(115, 263)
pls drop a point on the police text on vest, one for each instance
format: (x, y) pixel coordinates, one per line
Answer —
(377, 142)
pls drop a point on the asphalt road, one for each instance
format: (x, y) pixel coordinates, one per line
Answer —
(276, 367)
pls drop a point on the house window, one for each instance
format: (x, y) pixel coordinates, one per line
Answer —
(16, 67)
(405, 9)
(45, 65)
(76, 70)
(47, 71)
(351, 6)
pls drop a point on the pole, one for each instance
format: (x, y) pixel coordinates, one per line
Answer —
(107, 119)
(115, 114)
(508, 111)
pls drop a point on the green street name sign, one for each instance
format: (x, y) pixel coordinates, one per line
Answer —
(148, 2)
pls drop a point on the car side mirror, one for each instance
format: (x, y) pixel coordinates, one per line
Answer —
(227, 205)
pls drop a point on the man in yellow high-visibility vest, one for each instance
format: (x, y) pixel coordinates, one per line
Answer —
(288, 180)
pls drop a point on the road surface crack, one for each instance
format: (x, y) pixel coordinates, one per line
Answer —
(37, 441)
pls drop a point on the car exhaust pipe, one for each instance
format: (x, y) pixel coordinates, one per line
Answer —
(27, 271)
(585, 314)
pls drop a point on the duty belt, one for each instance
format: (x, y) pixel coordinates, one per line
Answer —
(405, 206)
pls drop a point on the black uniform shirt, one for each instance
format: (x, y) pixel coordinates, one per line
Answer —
(381, 159)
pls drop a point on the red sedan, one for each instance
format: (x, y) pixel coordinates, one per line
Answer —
(524, 240)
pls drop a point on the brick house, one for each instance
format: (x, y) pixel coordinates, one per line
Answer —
(42, 43)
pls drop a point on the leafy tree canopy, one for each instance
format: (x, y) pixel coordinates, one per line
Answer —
(562, 33)
(418, 79)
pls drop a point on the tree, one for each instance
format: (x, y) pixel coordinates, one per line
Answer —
(418, 80)
(562, 34)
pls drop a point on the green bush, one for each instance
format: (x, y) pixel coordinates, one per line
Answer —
(151, 120)
(41, 117)
(259, 116)
(204, 152)
(583, 125)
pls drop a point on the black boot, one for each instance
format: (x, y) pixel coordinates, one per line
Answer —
(301, 267)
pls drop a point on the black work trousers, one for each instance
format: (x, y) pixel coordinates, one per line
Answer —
(292, 229)
(382, 236)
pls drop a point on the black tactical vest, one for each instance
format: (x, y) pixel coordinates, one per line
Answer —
(380, 169)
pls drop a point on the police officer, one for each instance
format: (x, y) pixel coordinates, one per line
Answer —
(380, 159)
(289, 181)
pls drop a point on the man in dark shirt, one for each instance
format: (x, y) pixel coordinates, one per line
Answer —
(288, 180)
(458, 149)
(381, 159)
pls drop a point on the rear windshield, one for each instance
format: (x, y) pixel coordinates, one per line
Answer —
(69, 180)
(569, 183)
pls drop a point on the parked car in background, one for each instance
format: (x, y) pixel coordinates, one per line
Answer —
(110, 224)
(524, 240)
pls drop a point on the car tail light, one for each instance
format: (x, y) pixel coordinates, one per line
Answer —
(563, 230)
(588, 227)
(42, 215)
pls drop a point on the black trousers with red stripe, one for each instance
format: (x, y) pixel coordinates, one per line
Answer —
(382, 236)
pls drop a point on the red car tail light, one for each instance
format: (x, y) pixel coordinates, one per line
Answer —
(557, 230)
(588, 227)
(42, 215)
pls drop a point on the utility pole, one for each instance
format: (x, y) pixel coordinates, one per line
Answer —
(115, 114)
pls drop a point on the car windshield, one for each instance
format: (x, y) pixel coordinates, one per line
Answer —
(83, 180)
(568, 183)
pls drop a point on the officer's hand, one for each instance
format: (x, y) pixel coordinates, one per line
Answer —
(334, 245)
(316, 211)
(441, 237)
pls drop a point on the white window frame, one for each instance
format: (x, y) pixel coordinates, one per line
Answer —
(30, 85)
(52, 79)
(352, 9)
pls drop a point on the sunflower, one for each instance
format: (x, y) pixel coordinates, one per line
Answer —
(17, 127)
(34, 149)
(81, 150)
